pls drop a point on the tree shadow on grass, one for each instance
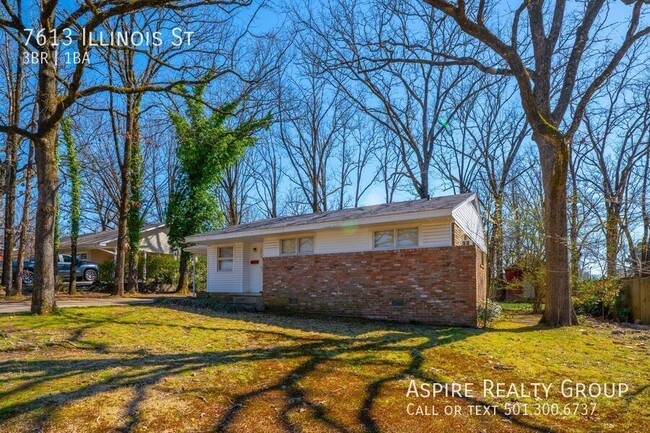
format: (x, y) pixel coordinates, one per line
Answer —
(139, 371)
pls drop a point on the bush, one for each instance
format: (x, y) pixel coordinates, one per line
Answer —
(488, 312)
(599, 298)
(161, 268)
(106, 271)
(201, 274)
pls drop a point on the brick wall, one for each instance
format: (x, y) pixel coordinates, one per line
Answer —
(430, 285)
(457, 235)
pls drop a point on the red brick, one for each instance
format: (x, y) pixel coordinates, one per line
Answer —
(439, 286)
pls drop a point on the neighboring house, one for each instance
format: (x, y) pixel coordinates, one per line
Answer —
(421, 260)
(100, 247)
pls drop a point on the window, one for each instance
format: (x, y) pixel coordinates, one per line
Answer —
(67, 258)
(385, 239)
(225, 259)
(288, 246)
(397, 238)
(306, 245)
(82, 256)
(297, 246)
(407, 238)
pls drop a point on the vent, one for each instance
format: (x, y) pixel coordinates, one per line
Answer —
(397, 303)
(293, 301)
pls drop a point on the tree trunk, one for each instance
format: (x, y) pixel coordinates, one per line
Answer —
(43, 297)
(183, 277)
(574, 261)
(134, 217)
(554, 157)
(10, 204)
(133, 272)
(18, 278)
(644, 247)
(120, 254)
(497, 237)
(13, 140)
(72, 285)
(423, 188)
(611, 239)
(123, 209)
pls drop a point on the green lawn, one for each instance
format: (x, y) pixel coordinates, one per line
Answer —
(162, 368)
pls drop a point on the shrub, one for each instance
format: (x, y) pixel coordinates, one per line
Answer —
(106, 271)
(161, 268)
(201, 273)
(488, 312)
(599, 298)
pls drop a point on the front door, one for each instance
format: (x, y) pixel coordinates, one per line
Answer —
(255, 268)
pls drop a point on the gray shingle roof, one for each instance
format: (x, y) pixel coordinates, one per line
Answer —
(398, 208)
(101, 237)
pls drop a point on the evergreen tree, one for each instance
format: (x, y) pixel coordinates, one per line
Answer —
(207, 146)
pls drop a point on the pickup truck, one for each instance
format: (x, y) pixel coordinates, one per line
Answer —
(86, 271)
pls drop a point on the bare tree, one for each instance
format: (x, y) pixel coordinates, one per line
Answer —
(234, 191)
(311, 115)
(267, 171)
(12, 63)
(550, 60)
(391, 73)
(24, 221)
(57, 91)
(389, 166)
(582, 210)
(481, 154)
(617, 136)
(641, 259)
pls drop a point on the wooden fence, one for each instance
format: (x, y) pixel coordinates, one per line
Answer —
(636, 295)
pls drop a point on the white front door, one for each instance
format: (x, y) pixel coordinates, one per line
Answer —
(255, 268)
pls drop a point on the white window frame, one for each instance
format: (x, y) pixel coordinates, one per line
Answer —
(225, 259)
(296, 250)
(395, 232)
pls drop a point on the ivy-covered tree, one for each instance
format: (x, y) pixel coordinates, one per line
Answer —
(134, 219)
(74, 172)
(207, 145)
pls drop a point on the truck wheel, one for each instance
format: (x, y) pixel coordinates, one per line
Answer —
(28, 277)
(90, 275)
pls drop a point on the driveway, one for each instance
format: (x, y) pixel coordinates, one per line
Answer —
(23, 307)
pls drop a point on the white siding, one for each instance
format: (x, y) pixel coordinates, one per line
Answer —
(246, 252)
(229, 282)
(436, 234)
(433, 233)
(469, 220)
(271, 247)
(349, 239)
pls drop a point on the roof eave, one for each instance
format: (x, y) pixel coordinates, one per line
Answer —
(406, 216)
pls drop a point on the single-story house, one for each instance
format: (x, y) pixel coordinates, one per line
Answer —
(101, 246)
(421, 260)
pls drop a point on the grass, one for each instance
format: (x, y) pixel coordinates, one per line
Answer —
(517, 307)
(171, 367)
